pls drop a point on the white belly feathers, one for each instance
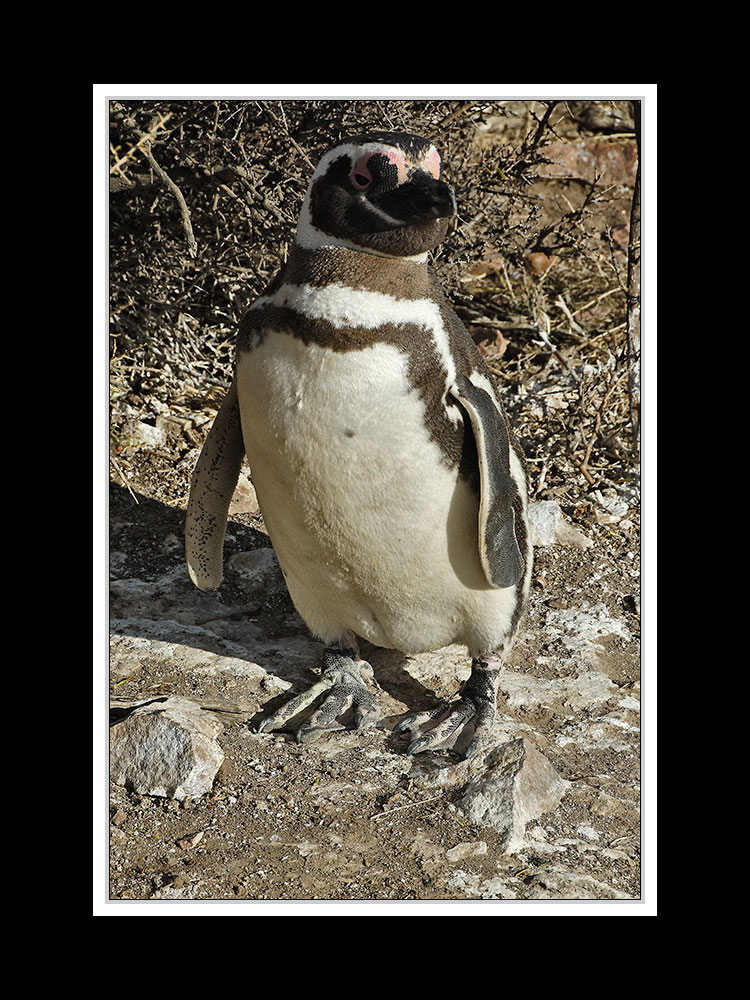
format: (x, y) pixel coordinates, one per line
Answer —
(374, 533)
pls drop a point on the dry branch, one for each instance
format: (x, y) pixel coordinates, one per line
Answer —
(116, 167)
(173, 320)
(144, 145)
(184, 210)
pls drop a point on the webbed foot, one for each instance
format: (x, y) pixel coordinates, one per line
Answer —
(451, 724)
(346, 682)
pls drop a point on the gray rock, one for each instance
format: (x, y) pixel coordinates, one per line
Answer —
(258, 570)
(514, 785)
(549, 527)
(139, 434)
(166, 748)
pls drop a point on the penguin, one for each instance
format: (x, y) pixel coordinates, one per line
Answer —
(390, 482)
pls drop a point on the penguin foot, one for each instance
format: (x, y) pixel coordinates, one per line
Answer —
(469, 718)
(345, 683)
(447, 726)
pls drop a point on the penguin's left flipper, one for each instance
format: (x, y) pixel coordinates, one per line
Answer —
(500, 550)
(464, 725)
(346, 682)
(214, 480)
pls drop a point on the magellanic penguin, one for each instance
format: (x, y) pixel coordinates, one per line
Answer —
(391, 486)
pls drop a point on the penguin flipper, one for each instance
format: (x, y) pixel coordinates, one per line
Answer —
(499, 550)
(214, 480)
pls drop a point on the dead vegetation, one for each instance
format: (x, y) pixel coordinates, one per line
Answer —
(203, 207)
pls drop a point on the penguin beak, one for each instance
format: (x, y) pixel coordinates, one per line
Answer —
(422, 198)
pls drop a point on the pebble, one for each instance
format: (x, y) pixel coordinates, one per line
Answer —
(466, 850)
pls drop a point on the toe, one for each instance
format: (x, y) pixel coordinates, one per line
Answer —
(337, 702)
(345, 682)
(282, 715)
(443, 730)
(415, 720)
(481, 738)
(365, 711)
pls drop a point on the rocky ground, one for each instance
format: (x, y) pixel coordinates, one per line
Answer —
(350, 816)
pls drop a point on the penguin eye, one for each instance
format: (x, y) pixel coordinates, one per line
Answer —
(360, 181)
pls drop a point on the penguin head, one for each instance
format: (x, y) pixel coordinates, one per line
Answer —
(380, 192)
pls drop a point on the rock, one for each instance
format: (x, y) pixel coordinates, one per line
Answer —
(603, 116)
(187, 843)
(139, 434)
(549, 527)
(244, 499)
(538, 263)
(467, 849)
(611, 508)
(172, 428)
(620, 236)
(514, 785)
(491, 342)
(259, 570)
(426, 850)
(166, 747)
(582, 632)
(597, 161)
(117, 561)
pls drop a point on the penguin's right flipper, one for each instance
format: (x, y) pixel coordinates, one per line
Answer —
(500, 551)
(214, 480)
(346, 683)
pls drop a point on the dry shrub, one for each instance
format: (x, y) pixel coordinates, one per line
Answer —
(203, 207)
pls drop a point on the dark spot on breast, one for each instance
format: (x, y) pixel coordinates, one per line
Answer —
(349, 433)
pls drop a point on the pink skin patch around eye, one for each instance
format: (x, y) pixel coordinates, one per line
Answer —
(360, 175)
(431, 162)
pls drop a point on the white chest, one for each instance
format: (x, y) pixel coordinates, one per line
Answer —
(339, 428)
(375, 532)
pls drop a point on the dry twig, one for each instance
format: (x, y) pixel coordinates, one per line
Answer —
(184, 210)
(408, 805)
(122, 476)
(144, 137)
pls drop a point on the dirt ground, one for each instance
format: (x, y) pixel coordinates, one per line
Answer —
(350, 818)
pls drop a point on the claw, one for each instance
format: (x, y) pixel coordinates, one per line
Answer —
(309, 734)
(445, 726)
(406, 723)
(417, 745)
(417, 719)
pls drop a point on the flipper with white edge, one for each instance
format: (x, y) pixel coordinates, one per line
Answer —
(500, 550)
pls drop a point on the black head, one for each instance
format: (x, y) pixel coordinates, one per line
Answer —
(379, 192)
